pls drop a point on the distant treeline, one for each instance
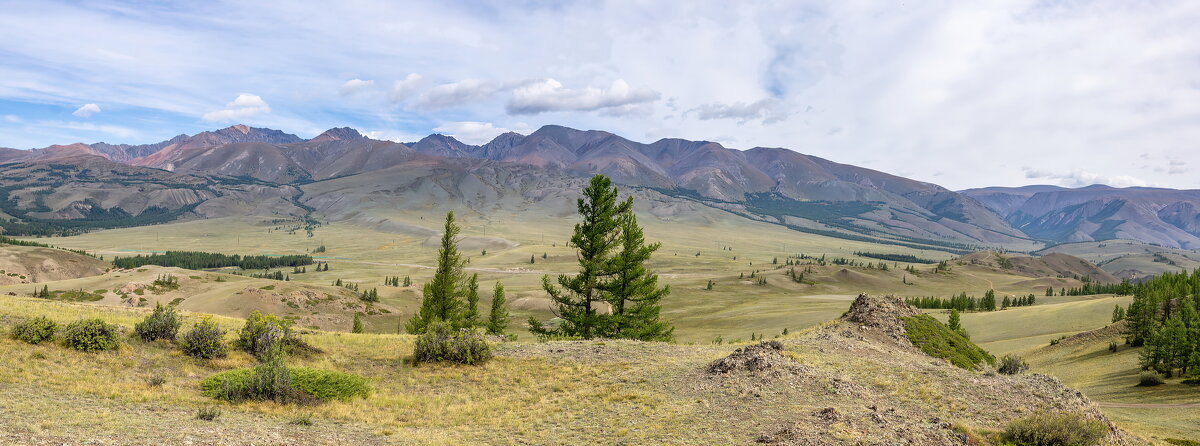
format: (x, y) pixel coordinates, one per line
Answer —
(204, 260)
(1089, 288)
(906, 258)
(962, 302)
(15, 242)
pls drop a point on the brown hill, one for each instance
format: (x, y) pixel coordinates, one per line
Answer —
(1049, 265)
(30, 264)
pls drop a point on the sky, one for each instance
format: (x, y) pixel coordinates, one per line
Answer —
(961, 94)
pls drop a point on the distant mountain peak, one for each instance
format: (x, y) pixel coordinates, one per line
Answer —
(245, 129)
(338, 134)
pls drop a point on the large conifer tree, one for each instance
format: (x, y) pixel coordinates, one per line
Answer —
(576, 298)
(633, 290)
(443, 293)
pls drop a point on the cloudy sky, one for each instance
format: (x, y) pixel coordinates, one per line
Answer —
(962, 94)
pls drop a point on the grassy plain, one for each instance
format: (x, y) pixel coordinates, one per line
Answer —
(729, 250)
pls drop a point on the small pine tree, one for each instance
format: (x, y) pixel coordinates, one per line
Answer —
(442, 297)
(531, 259)
(498, 317)
(471, 316)
(955, 323)
(358, 326)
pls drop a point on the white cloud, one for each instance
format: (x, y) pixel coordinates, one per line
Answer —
(471, 132)
(1077, 178)
(86, 111)
(355, 85)
(403, 88)
(457, 93)
(12, 118)
(769, 110)
(244, 106)
(549, 95)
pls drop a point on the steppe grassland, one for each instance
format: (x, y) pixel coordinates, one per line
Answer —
(734, 308)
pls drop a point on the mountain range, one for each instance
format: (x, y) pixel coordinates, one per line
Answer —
(243, 169)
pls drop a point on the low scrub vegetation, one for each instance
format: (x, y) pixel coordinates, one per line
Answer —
(1012, 365)
(91, 335)
(1150, 378)
(1054, 429)
(163, 323)
(266, 382)
(250, 338)
(204, 340)
(35, 330)
(443, 343)
(939, 341)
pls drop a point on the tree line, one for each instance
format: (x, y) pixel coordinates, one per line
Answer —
(1164, 317)
(962, 302)
(906, 258)
(205, 260)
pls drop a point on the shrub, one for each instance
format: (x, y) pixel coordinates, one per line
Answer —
(441, 342)
(1150, 378)
(90, 335)
(1055, 429)
(204, 340)
(1012, 365)
(156, 381)
(939, 341)
(311, 384)
(208, 413)
(35, 331)
(251, 337)
(163, 323)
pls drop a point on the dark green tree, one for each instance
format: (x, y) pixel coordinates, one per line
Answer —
(358, 326)
(442, 295)
(633, 290)
(471, 316)
(498, 317)
(576, 298)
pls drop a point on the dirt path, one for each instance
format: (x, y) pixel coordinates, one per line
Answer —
(989, 282)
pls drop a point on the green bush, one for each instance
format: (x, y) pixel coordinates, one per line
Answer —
(204, 340)
(34, 331)
(1055, 429)
(322, 385)
(939, 341)
(91, 335)
(1012, 365)
(1150, 378)
(163, 323)
(441, 342)
(251, 337)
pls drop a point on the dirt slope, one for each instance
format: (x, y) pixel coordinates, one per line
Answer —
(29, 264)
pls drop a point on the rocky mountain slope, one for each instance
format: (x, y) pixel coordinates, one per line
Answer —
(771, 184)
(79, 192)
(777, 185)
(1166, 217)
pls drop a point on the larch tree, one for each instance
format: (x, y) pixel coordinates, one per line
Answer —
(443, 294)
(471, 317)
(633, 290)
(498, 317)
(576, 299)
